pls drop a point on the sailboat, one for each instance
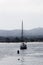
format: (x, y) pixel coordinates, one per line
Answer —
(23, 46)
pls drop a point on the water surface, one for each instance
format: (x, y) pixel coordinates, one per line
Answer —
(32, 56)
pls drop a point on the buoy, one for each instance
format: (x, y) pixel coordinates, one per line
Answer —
(18, 52)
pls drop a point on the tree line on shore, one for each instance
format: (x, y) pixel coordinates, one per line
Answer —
(19, 39)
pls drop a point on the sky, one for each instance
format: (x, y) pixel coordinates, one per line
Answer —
(12, 12)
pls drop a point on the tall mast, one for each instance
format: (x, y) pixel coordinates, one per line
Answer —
(23, 46)
(22, 31)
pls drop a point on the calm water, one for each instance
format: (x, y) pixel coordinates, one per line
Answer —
(32, 56)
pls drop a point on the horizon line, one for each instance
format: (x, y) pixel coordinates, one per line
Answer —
(21, 29)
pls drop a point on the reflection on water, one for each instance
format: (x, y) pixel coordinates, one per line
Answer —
(22, 57)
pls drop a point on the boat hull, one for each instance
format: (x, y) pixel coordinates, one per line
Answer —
(23, 47)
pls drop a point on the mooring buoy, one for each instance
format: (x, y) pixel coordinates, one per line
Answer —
(18, 51)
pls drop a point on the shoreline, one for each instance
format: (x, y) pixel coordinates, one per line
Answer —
(24, 42)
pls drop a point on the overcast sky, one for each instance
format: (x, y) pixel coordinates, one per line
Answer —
(12, 12)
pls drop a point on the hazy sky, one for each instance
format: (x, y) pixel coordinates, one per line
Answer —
(12, 12)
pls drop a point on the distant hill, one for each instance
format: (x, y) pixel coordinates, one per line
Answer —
(7, 33)
(35, 32)
(17, 33)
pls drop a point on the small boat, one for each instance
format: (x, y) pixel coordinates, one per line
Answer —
(23, 45)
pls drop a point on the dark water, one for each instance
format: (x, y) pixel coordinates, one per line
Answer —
(32, 56)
